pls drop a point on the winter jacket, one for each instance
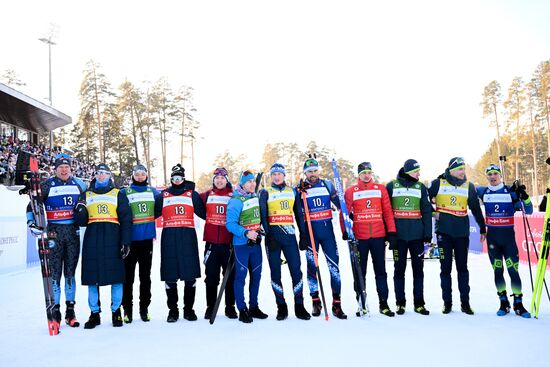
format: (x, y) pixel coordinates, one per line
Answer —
(500, 205)
(102, 262)
(235, 209)
(371, 208)
(295, 209)
(214, 229)
(179, 251)
(143, 231)
(453, 225)
(409, 229)
(60, 205)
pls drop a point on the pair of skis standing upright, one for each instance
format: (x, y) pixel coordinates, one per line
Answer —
(33, 189)
(359, 281)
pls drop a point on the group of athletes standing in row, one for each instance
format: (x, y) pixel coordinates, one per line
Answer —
(120, 229)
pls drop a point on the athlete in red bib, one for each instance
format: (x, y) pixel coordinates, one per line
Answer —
(179, 250)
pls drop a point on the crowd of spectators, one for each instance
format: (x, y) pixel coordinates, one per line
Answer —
(10, 148)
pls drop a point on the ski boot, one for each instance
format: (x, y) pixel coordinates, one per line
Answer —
(244, 316)
(230, 312)
(173, 315)
(337, 309)
(465, 307)
(172, 302)
(93, 321)
(447, 307)
(144, 314)
(400, 308)
(300, 312)
(128, 315)
(421, 309)
(518, 307)
(504, 304)
(317, 306)
(282, 311)
(117, 318)
(385, 309)
(56, 311)
(70, 316)
(257, 313)
(189, 314)
(208, 313)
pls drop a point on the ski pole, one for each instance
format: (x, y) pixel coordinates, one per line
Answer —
(545, 245)
(228, 270)
(314, 249)
(534, 249)
(358, 278)
(527, 243)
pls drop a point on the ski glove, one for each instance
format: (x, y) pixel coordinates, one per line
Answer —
(80, 206)
(345, 236)
(519, 190)
(304, 242)
(125, 251)
(35, 230)
(391, 238)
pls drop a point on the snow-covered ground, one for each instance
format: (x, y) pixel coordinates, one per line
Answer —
(409, 340)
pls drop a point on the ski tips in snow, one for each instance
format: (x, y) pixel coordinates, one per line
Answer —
(53, 327)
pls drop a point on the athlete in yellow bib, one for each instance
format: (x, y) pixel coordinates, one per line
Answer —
(278, 209)
(107, 215)
(453, 195)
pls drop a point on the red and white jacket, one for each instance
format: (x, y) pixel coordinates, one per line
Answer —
(371, 208)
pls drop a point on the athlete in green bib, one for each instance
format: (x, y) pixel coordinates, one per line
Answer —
(413, 220)
(141, 197)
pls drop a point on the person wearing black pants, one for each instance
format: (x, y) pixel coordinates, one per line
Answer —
(141, 197)
(216, 257)
(217, 248)
(178, 205)
(373, 225)
(141, 253)
(413, 219)
(453, 195)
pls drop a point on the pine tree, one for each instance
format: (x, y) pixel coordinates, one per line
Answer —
(515, 106)
(491, 100)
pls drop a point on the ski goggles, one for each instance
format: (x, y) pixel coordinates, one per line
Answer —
(177, 178)
(220, 172)
(457, 163)
(311, 165)
(102, 172)
(493, 169)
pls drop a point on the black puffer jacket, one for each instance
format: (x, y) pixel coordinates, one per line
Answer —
(102, 262)
(179, 250)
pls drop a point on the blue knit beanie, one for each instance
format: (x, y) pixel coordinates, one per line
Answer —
(277, 167)
(411, 166)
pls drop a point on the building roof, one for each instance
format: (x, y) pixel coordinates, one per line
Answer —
(27, 113)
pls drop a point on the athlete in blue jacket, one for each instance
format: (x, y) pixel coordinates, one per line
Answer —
(141, 197)
(501, 201)
(320, 193)
(243, 221)
(60, 195)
